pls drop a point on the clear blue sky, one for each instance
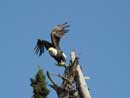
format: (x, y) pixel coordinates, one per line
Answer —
(99, 32)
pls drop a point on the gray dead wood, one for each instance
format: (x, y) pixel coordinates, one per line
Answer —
(80, 81)
(74, 84)
(67, 88)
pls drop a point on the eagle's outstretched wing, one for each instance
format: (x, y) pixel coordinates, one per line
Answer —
(39, 48)
(57, 33)
(40, 45)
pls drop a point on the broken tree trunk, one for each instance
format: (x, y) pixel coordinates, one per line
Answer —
(74, 84)
(81, 83)
(83, 88)
(66, 90)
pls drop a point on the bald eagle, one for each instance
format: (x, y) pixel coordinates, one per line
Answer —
(53, 47)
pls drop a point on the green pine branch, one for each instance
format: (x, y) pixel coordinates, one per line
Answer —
(39, 85)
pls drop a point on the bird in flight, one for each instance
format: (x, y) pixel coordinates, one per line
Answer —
(53, 47)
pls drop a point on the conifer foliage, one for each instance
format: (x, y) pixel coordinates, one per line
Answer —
(39, 85)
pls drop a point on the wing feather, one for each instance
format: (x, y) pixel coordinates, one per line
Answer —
(40, 45)
(57, 33)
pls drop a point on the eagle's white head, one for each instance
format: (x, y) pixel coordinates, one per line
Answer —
(52, 51)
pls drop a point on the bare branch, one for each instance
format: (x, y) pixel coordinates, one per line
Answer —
(54, 86)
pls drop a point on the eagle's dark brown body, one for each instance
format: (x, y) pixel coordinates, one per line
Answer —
(53, 47)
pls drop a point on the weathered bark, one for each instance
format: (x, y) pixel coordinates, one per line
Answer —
(74, 84)
(80, 81)
(83, 88)
(67, 88)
